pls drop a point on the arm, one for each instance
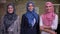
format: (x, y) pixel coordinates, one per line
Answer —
(47, 27)
(41, 24)
(23, 24)
(55, 23)
(18, 25)
(42, 28)
(49, 31)
(23, 21)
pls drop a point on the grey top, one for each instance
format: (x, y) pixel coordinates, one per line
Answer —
(14, 28)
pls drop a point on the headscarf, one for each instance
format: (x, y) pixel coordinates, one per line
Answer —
(31, 14)
(9, 18)
(49, 15)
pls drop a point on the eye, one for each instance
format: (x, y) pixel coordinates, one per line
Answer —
(49, 6)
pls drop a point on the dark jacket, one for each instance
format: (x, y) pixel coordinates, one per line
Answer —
(26, 29)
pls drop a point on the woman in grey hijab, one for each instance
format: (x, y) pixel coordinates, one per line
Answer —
(10, 21)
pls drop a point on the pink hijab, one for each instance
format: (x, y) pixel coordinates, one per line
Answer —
(49, 15)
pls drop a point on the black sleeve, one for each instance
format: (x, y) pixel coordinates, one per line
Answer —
(23, 24)
(38, 26)
(22, 21)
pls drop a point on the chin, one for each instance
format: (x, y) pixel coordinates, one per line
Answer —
(11, 12)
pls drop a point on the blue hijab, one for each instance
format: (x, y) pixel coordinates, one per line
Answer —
(31, 14)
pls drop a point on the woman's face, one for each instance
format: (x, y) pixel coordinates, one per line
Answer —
(49, 7)
(10, 9)
(30, 7)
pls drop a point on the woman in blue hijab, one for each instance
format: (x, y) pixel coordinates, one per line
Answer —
(30, 20)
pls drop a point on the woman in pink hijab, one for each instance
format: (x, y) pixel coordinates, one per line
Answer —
(48, 20)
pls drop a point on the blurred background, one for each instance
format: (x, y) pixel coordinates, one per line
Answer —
(21, 6)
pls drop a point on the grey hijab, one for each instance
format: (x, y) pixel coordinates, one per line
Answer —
(9, 18)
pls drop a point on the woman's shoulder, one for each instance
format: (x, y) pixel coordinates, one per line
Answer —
(56, 16)
(41, 15)
(24, 16)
